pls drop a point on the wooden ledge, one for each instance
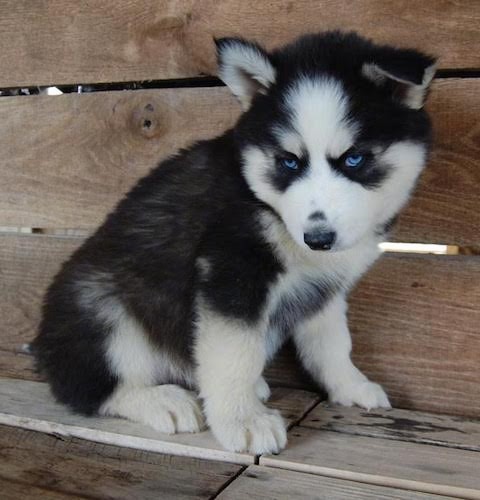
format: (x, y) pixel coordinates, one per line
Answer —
(30, 405)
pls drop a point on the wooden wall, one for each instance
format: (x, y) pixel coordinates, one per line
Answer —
(65, 161)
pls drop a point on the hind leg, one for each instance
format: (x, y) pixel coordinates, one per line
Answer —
(139, 366)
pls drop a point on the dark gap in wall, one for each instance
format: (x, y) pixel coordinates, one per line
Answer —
(458, 73)
(197, 82)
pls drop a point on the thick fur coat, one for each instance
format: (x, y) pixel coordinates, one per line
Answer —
(235, 244)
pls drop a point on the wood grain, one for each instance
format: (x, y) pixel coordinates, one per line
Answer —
(62, 42)
(80, 153)
(27, 265)
(265, 483)
(382, 462)
(445, 208)
(30, 405)
(68, 159)
(286, 370)
(414, 322)
(69, 466)
(400, 425)
(13, 490)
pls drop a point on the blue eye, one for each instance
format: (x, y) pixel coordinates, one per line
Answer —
(290, 163)
(354, 161)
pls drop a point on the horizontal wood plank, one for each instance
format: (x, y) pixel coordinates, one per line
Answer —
(397, 424)
(31, 406)
(265, 483)
(68, 159)
(63, 42)
(445, 208)
(56, 467)
(414, 323)
(80, 153)
(13, 490)
(382, 462)
(27, 266)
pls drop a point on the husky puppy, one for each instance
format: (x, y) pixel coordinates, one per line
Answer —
(237, 243)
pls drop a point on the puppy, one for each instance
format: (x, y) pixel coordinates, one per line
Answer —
(237, 243)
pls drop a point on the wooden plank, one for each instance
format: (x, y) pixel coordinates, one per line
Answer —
(102, 145)
(68, 466)
(90, 149)
(61, 42)
(414, 322)
(382, 462)
(30, 405)
(12, 490)
(401, 425)
(446, 206)
(265, 483)
(286, 371)
(27, 265)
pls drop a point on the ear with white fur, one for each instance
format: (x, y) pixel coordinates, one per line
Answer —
(245, 67)
(407, 73)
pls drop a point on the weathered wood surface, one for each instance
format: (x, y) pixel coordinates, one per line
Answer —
(30, 405)
(13, 490)
(265, 483)
(79, 153)
(414, 322)
(67, 160)
(401, 425)
(27, 265)
(384, 462)
(445, 208)
(61, 42)
(56, 466)
(286, 370)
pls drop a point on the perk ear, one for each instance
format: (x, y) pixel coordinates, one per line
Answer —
(245, 67)
(407, 73)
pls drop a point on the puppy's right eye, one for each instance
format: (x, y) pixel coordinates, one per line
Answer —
(290, 163)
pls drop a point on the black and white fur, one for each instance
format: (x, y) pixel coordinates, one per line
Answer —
(203, 270)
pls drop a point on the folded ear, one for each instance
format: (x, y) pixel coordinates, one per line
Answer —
(407, 73)
(245, 67)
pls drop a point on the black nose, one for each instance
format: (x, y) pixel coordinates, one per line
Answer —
(319, 240)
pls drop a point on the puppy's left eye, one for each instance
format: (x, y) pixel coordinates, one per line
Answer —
(290, 163)
(354, 160)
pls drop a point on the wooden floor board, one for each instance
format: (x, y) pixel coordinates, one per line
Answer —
(13, 490)
(262, 483)
(29, 405)
(37, 465)
(397, 464)
(402, 425)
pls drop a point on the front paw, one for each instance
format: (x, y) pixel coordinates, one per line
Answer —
(262, 431)
(365, 394)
